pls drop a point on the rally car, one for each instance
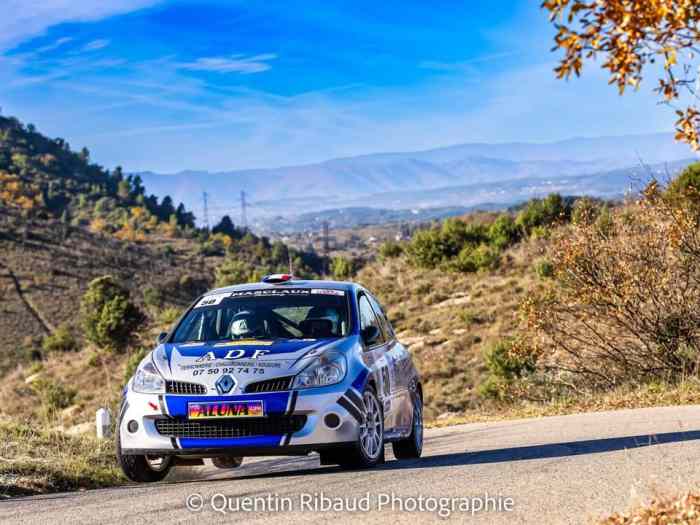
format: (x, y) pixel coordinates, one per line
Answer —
(280, 367)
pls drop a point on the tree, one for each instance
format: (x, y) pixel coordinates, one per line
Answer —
(225, 226)
(632, 35)
(108, 315)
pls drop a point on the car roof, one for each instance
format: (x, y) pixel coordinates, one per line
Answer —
(294, 283)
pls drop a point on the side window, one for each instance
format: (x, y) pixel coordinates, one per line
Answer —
(367, 316)
(383, 320)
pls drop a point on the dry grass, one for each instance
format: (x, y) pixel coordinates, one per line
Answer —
(686, 392)
(683, 509)
(34, 461)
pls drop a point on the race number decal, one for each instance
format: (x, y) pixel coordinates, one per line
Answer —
(211, 300)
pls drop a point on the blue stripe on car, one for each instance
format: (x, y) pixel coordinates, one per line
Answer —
(257, 441)
(359, 382)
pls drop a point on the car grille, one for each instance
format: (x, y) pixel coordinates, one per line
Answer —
(183, 387)
(182, 428)
(277, 384)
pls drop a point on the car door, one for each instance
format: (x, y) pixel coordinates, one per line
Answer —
(400, 371)
(375, 357)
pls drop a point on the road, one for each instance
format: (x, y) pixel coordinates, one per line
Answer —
(564, 469)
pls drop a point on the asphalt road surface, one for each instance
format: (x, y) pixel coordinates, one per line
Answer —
(568, 469)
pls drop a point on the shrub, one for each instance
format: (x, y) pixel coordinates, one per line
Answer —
(584, 211)
(390, 250)
(52, 395)
(342, 268)
(109, 317)
(503, 232)
(686, 187)
(426, 249)
(543, 212)
(61, 340)
(505, 367)
(232, 271)
(152, 297)
(625, 303)
(544, 269)
(473, 259)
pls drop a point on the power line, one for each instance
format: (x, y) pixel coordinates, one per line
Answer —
(244, 218)
(206, 211)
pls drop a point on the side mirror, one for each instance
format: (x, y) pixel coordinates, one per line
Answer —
(161, 337)
(370, 335)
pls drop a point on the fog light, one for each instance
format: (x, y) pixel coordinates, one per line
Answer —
(332, 420)
(132, 426)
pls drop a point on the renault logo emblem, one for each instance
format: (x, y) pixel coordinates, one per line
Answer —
(225, 384)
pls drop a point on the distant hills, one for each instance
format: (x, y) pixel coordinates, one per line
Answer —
(460, 176)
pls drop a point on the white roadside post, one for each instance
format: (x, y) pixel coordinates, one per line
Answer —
(103, 422)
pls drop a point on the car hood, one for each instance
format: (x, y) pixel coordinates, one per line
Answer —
(245, 361)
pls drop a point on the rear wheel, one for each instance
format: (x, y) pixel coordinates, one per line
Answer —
(142, 469)
(412, 446)
(368, 451)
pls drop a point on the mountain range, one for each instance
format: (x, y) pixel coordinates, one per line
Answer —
(463, 175)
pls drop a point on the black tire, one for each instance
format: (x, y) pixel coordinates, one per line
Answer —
(361, 454)
(412, 446)
(139, 468)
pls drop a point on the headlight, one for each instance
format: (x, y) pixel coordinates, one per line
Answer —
(147, 380)
(327, 369)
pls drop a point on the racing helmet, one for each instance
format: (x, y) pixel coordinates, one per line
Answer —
(330, 314)
(246, 324)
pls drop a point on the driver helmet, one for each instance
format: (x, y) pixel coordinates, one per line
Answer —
(331, 314)
(246, 324)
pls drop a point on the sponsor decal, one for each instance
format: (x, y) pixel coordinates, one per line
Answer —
(272, 292)
(211, 300)
(327, 291)
(245, 342)
(234, 354)
(239, 364)
(225, 409)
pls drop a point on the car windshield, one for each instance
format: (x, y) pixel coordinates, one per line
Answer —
(292, 313)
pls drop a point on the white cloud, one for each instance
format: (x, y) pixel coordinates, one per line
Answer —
(233, 64)
(54, 45)
(22, 19)
(95, 45)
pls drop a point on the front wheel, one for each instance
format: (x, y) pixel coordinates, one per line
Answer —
(142, 469)
(412, 446)
(368, 451)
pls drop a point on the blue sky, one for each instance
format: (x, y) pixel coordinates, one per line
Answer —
(168, 86)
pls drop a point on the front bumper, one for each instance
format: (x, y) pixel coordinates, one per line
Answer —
(313, 404)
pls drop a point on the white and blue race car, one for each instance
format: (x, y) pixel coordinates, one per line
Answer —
(281, 367)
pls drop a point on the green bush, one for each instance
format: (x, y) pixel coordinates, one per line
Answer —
(504, 368)
(503, 232)
(233, 271)
(342, 268)
(426, 249)
(686, 186)
(61, 340)
(53, 395)
(109, 317)
(390, 250)
(152, 297)
(543, 212)
(474, 258)
(544, 269)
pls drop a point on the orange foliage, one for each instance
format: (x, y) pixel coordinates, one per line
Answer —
(631, 34)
